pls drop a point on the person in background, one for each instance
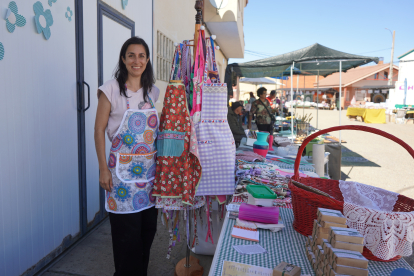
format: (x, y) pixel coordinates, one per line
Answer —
(271, 98)
(246, 111)
(232, 100)
(261, 108)
(277, 101)
(252, 98)
(234, 120)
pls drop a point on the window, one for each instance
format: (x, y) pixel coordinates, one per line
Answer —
(376, 76)
(385, 75)
(360, 95)
(165, 52)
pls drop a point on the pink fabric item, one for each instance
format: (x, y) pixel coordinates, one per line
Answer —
(249, 156)
(197, 80)
(282, 173)
(119, 103)
(250, 212)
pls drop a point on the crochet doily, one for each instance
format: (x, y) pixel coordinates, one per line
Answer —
(369, 210)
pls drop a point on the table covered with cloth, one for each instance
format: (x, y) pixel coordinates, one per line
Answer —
(370, 116)
(286, 245)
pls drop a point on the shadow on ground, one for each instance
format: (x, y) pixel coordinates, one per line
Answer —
(93, 256)
(353, 159)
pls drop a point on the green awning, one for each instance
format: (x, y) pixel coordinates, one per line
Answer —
(311, 60)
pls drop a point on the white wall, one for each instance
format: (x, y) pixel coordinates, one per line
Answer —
(406, 71)
(39, 203)
(177, 28)
(39, 195)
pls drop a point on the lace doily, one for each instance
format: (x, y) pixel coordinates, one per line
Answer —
(368, 196)
(369, 210)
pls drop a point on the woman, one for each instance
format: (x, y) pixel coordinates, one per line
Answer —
(126, 111)
(233, 118)
(262, 109)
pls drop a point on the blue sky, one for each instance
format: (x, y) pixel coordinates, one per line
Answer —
(275, 27)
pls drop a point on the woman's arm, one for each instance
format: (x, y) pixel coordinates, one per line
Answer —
(101, 121)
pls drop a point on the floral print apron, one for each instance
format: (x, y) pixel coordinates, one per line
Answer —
(132, 162)
(178, 170)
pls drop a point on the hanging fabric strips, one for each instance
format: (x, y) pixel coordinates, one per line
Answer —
(198, 79)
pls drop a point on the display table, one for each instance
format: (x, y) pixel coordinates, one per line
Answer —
(286, 245)
(355, 111)
(370, 116)
(374, 116)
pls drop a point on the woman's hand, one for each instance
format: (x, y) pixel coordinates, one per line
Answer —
(105, 180)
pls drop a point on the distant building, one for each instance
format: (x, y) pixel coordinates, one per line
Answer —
(366, 83)
(406, 72)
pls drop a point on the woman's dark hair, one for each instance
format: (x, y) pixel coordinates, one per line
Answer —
(121, 73)
(251, 95)
(260, 91)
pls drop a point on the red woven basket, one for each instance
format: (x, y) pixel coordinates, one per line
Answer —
(305, 203)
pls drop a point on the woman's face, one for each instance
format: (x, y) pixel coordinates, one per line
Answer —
(135, 60)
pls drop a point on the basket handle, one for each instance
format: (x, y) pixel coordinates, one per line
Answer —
(350, 127)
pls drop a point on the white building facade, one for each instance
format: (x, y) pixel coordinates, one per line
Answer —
(54, 54)
(406, 72)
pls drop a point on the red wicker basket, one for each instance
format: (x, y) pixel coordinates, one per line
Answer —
(306, 202)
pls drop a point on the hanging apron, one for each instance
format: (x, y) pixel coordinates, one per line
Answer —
(215, 140)
(178, 167)
(132, 162)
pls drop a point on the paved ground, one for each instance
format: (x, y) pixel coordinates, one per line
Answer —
(390, 167)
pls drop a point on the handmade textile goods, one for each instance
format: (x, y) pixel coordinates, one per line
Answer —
(215, 140)
(178, 168)
(249, 156)
(261, 173)
(132, 162)
(370, 210)
(186, 73)
(198, 80)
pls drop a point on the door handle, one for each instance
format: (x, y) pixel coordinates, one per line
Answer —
(89, 96)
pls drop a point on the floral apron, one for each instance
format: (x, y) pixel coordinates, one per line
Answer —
(132, 162)
(178, 170)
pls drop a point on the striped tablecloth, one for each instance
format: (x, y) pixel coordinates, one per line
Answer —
(286, 245)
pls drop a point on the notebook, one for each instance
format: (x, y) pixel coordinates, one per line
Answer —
(245, 233)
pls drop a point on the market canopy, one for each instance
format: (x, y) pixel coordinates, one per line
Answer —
(314, 59)
(257, 81)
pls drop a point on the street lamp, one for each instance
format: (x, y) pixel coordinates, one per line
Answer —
(390, 75)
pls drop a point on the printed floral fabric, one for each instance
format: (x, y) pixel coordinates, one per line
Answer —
(135, 167)
(177, 177)
(177, 204)
(132, 162)
(262, 116)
